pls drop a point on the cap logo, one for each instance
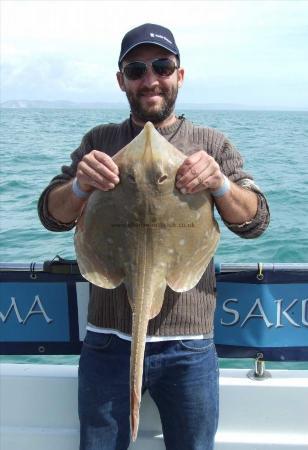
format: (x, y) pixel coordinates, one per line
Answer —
(153, 35)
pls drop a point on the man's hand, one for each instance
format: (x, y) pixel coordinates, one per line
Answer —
(97, 170)
(198, 172)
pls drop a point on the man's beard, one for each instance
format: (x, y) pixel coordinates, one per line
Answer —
(157, 115)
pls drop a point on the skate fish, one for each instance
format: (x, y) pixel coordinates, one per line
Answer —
(146, 234)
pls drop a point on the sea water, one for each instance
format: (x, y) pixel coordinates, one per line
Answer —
(35, 143)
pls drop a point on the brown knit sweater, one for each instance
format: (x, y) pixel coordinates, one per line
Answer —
(187, 313)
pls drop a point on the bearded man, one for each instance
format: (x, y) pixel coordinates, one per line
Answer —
(180, 366)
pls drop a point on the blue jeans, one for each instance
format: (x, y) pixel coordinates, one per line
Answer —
(181, 377)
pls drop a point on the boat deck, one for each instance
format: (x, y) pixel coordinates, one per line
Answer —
(38, 410)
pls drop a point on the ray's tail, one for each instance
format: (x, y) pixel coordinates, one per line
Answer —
(134, 414)
(139, 330)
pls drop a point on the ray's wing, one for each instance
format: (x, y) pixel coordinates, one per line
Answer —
(192, 239)
(99, 241)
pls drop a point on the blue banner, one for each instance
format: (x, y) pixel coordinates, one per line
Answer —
(46, 313)
(34, 312)
(268, 316)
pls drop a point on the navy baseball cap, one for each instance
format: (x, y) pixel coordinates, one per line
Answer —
(148, 33)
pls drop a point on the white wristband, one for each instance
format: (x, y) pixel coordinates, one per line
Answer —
(78, 191)
(224, 188)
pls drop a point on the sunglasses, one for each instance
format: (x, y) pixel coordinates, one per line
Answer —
(163, 67)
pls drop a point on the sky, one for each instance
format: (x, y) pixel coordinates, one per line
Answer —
(248, 52)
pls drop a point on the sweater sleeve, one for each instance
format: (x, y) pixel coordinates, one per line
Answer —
(67, 173)
(231, 164)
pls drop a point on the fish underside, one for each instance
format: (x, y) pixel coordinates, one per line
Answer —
(146, 234)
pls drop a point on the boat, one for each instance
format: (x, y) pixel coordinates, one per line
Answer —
(261, 314)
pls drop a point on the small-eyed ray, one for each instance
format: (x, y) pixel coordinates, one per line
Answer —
(146, 234)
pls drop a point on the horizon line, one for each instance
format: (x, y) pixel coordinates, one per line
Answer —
(116, 105)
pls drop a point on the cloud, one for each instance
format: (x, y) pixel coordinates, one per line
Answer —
(47, 77)
(69, 49)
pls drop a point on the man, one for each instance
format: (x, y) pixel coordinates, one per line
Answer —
(180, 368)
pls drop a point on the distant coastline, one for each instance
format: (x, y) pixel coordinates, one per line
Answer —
(63, 104)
